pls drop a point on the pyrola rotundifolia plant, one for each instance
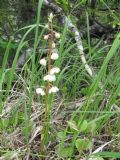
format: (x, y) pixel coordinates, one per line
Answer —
(52, 70)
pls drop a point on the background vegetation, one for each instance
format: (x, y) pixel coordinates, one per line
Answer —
(84, 116)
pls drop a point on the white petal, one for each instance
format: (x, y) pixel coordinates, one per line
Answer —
(54, 89)
(49, 78)
(53, 45)
(54, 70)
(46, 37)
(40, 91)
(43, 62)
(57, 35)
(54, 56)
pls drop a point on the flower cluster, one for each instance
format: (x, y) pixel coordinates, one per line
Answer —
(52, 70)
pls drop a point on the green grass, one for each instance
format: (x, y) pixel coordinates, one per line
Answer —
(83, 116)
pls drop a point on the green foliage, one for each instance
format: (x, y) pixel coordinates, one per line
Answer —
(83, 144)
(96, 158)
(95, 111)
(84, 127)
(4, 123)
(66, 5)
(64, 151)
(9, 154)
(109, 154)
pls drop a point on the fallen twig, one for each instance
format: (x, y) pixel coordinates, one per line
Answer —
(74, 30)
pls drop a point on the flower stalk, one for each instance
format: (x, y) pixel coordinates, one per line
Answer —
(49, 78)
(48, 84)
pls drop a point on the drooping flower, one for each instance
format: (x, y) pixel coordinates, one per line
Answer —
(57, 35)
(54, 89)
(40, 91)
(49, 78)
(54, 70)
(43, 62)
(54, 56)
(46, 37)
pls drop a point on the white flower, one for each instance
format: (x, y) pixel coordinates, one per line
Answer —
(54, 56)
(43, 62)
(53, 45)
(54, 89)
(49, 78)
(40, 91)
(46, 37)
(54, 70)
(57, 35)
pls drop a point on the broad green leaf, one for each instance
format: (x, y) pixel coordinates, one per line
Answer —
(64, 151)
(61, 135)
(9, 155)
(83, 144)
(109, 154)
(95, 158)
(83, 126)
(91, 127)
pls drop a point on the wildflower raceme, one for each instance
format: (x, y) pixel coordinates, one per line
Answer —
(51, 70)
(49, 61)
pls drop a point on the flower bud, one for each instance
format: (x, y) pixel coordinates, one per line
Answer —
(43, 62)
(54, 56)
(57, 35)
(46, 37)
(40, 91)
(53, 45)
(54, 89)
(50, 17)
(49, 78)
(54, 70)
